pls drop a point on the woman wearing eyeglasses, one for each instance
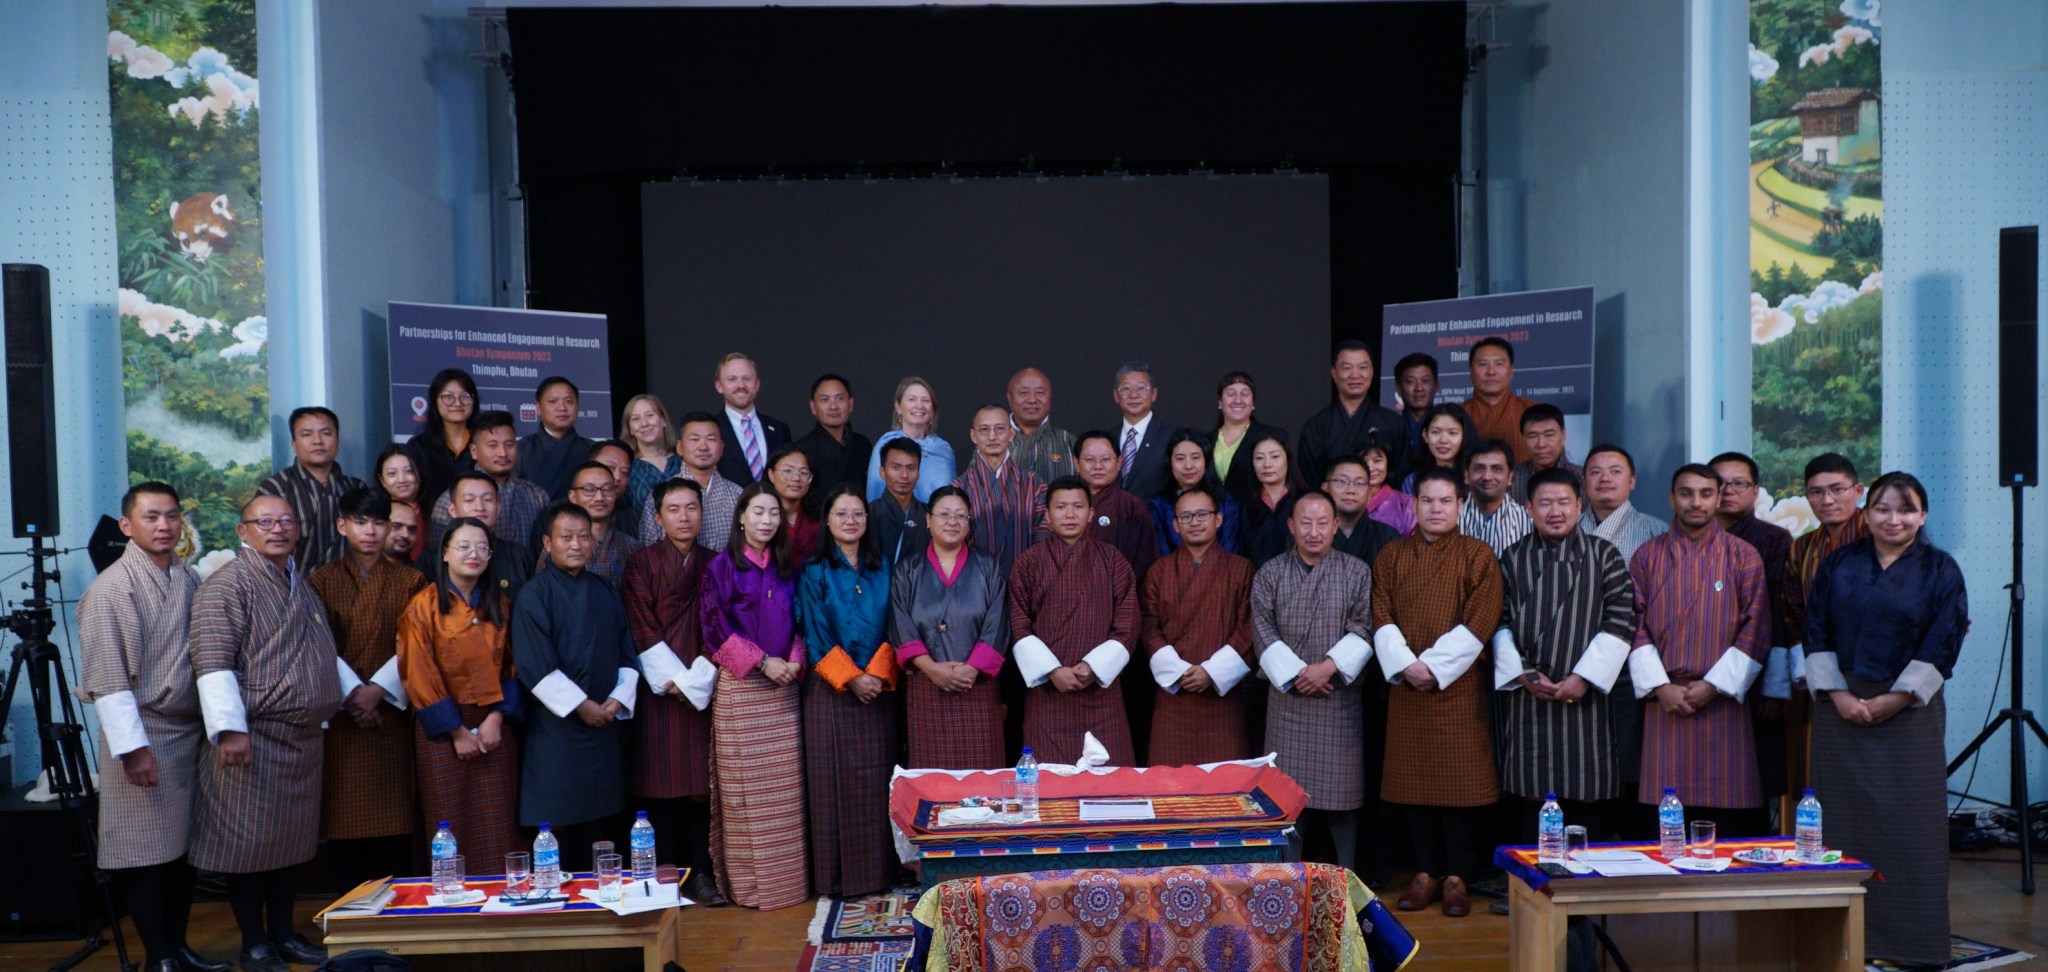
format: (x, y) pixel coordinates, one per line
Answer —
(443, 442)
(455, 659)
(952, 634)
(788, 474)
(842, 607)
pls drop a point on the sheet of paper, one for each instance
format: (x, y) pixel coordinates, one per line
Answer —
(1097, 811)
(636, 900)
(1642, 868)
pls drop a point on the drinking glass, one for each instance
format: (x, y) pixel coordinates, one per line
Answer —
(610, 877)
(1574, 842)
(1701, 846)
(448, 878)
(518, 875)
(1013, 802)
(599, 849)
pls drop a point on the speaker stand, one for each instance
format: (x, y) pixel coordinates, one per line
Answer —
(2016, 718)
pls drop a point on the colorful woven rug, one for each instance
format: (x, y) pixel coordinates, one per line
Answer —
(870, 934)
(1966, 954)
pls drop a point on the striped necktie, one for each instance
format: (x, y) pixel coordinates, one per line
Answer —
(750, 444)
(1130, 452)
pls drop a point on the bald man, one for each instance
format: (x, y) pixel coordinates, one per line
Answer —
(1040, 448)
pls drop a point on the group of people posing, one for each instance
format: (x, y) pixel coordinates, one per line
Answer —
(1431, 614)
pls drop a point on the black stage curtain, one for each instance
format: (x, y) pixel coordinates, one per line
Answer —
(1369, 93)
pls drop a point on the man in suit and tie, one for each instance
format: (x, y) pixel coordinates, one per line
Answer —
(1141, 439)
(749, 435)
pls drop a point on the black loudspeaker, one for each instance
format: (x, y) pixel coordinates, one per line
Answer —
(2019, 338)
(31, 400)
(41, 841)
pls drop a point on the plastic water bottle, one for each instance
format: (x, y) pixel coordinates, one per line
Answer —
(1550, 831)
(1808, 846)
(444, 858)
(1027, 784)
(643, 848)
(547, 862)
(1670, 826)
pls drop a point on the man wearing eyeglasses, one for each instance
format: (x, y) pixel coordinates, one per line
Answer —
(1196, 629)
(265, 662)
(1737, 515)
(313, 484)
(1359, 535)
(1835, 494)
(595, 489)
(1008, 501)
(548, 458)
(1140, 442)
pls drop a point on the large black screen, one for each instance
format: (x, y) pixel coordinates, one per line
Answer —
(963, 281)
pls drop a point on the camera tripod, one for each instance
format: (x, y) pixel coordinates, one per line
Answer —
(63, 748)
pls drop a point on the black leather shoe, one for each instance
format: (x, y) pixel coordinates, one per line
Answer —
(164, 965)
(704, 891)
(297, 950)
(192, 961)
(263, 958)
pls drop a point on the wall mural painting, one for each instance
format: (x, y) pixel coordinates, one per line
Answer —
(189, 220)
(1816, 232)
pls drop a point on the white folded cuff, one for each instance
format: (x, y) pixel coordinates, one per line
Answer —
(1167, 668)
(1392, 648)
(1035, 660)
(1646, 670)
(1350, 653)
(1797, 656)
(350, 681)
(1107, 660)
(697, 682)
(1601, 664)
(1452, 655)
(1920, 680)
(1507, 662)
(220, 704)
(1734, 673)
(121, 721)
(1824, 674)
(1226, 669)
(1777, 679)
(661, 665)
(393, 686)
(626, 691)
(1281, 664)
(559, 694)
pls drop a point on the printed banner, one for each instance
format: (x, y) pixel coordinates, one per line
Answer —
(1551, 330)
(188, 226)
(507, 351)
(1816, 242)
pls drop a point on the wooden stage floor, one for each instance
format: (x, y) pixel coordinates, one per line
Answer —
(1984, 900)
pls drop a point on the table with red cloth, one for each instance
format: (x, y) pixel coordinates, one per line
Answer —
(410, 925)
(1226, 813)
(1792, 915)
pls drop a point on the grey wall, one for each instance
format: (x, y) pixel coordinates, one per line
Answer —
(1965, 133)
(1585, 182)
(404, 200)
(57, 209)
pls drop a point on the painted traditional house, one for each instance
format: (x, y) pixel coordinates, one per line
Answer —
(1838, 126)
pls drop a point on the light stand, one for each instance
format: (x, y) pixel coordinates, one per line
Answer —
(63, 747)
(2015, 717)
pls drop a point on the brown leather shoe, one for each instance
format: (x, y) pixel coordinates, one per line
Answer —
(1457, 903)
(1420, 893)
